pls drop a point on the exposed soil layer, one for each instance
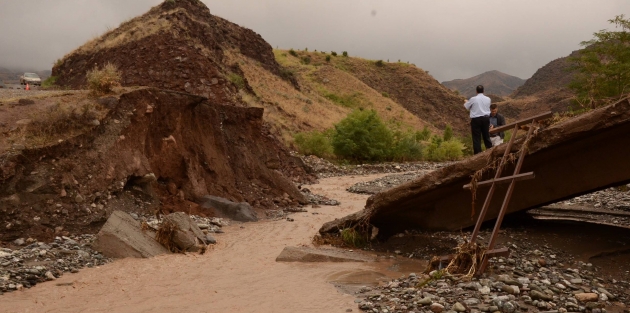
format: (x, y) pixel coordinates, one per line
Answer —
(153, 150)
(561, 156)
(177, 45)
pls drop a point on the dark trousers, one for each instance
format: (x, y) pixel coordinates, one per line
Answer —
(480, 127)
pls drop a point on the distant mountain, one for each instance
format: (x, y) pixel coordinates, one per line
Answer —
(494, 82)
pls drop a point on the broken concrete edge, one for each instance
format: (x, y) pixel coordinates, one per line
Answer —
(580, 126)
(122, 236)
(308, 254)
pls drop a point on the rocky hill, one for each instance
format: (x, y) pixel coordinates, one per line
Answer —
(495, 83)
(331, 86)
(546, 90)
(177, 45)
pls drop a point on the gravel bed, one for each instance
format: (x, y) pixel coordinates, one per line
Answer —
(616, 198)
(531, 279)
(34, 262)
(384, 183)
(325, 169)
(38, 261)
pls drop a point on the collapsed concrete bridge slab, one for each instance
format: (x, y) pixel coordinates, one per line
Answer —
(580, 155)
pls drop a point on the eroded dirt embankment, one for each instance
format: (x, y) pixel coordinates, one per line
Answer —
(153, 149)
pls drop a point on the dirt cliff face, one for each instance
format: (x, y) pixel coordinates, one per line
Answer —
(177, 45)
(154, 149)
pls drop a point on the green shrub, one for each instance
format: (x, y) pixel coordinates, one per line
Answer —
(379, 63)
(440, 150)
(327, 58)
(345, 53)
(292, 52)
(448, 133)
(405, 147)
(237, 80)
(306, 60)
(333, 53)
(423, 135)
(353, 238)
(314, 143)
(104, 80)
(385, 94)
(362, 136)
(49, 82)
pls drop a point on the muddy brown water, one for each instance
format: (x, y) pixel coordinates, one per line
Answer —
(240, 273)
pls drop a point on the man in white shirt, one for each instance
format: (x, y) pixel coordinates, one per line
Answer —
(479, 107)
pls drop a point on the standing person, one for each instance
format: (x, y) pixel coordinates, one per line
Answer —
(479, 107)
(496, 120)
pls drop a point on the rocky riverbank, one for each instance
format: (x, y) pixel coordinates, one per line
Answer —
(534, 278)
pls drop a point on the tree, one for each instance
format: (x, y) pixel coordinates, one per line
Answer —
(603, 67)
(362, 136)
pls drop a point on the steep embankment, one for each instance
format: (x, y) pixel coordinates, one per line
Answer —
(145, 149)
(495, 83)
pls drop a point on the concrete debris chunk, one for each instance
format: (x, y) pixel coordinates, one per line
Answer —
(122, 237)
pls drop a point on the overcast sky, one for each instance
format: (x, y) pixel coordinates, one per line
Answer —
(449, 38)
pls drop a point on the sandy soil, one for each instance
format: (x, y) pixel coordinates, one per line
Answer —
(239, 275)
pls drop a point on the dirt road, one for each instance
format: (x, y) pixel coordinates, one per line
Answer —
(239, 275)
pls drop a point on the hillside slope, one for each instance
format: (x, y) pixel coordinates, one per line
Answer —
(336, 84)
(546, 90)
(495, 83)
(177, 45)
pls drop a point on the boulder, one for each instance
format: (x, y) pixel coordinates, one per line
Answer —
(241, 211)
(122, 237)
(186, 234)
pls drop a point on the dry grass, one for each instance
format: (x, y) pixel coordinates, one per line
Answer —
(468, 258)
(290, 111)
(103, 81)
(166, 234)
(129, 31)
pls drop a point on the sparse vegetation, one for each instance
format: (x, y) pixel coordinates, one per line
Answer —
(60, 121)
(49, 82)
(333, 53)
(237, 80)
(385, 94)
(603, 67)
(292, 52)
(379, 63)
(102, 81)
(306, 60)
(448, 133)
(350, 101)
(353, 238)
(327, 58)
(345, 53)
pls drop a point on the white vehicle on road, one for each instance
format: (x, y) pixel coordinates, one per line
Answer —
(31, 79)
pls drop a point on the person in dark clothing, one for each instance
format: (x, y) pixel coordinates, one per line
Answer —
(479, 107)
(496, 120)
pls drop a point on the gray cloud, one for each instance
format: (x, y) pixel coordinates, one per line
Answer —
(450, 38)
